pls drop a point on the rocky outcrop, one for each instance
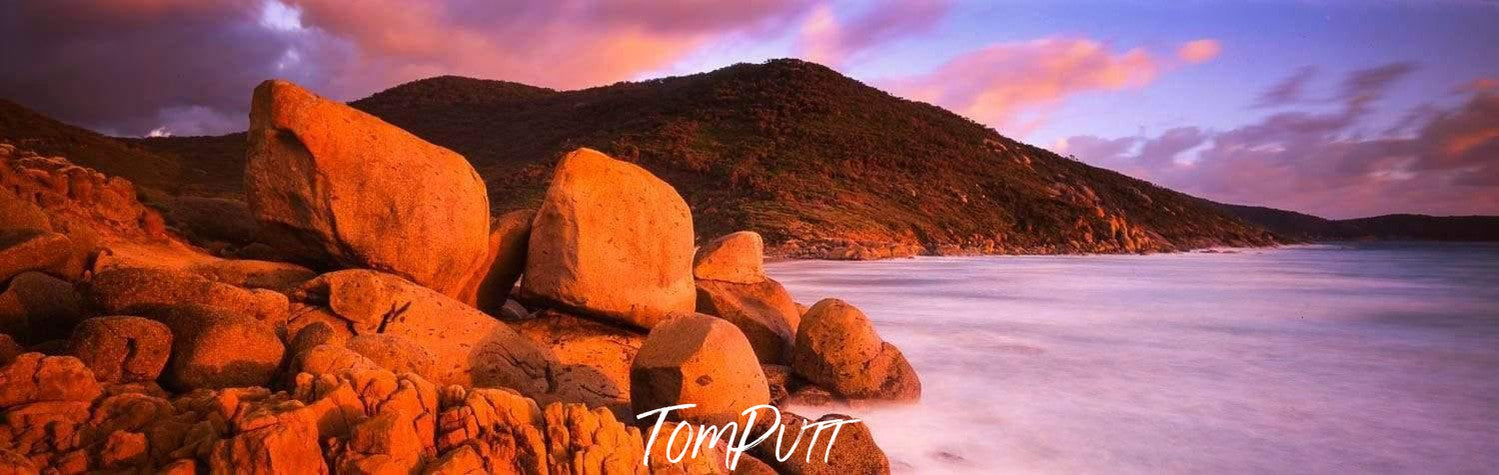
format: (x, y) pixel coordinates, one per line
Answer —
(395, 353)
(837, 348)
(697, 359)
(736, 257)
(339, 187)
(122, 349)
(489, 289)
(468, 347)
(213, 348)
(764, 311)
(148, 292)
(611, 240)
(593, 358)
(37, 307)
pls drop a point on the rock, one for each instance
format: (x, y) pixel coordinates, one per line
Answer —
(151, 292)
(38, 307)
(17, 213)
(213, 348)
(275, 439)
(23, 250)
(673, 441)
(508, 239)
(852, 451)
(503, 430)
(764, 311)
(204, 219)
(697, 359)
(253, 274)
(394, 352)
(513, 311)
(838, 349)
(736, 257)
(9, 349)
(34, 377)
(611, 240)
(330, 359)
(337, 186)
(122, 349)
(469, 347)
(583, 440)
(780, 380)
(593, 358)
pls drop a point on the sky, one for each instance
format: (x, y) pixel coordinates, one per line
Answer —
(1335, 108)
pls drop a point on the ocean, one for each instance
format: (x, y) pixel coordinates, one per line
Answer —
(1340, 358)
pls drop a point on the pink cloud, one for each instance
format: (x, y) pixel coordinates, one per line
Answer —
(828, 39)
(104, 64)
(1198, 51)
(996, 84)
(1446, 162)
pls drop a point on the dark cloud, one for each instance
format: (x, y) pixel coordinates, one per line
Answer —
(187, 66)
(1445, 161)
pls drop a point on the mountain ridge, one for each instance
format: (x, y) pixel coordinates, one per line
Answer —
(821, 164)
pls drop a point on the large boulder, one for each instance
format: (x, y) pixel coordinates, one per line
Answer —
(593, 358)
(469, 348)
(611, 240)
(339, 187)
(736, 257)
(764, 311)
(150, 292)
(697, 359)
(838, 349)
(122, 349)
(213, 348)
(23, 250)
(38, 307)
(489, 289)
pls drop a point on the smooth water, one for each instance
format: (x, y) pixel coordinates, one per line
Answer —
(1312, 359)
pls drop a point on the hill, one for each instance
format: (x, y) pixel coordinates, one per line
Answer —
(1402, 227)
(819, 163)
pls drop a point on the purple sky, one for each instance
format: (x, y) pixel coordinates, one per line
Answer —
(1338, 108)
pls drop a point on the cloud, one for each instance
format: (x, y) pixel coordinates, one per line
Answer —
(1288, 91)
(1446, 162)
(133, 66)
(1199, 51)
(825, 38)
(996, 84)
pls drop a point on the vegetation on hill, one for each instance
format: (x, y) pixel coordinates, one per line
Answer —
(1304, 227)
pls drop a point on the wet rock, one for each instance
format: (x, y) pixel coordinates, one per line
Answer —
(122, 349)
(611, 240)
(213, 348)
(38, 307)
(737, 257)
(697, 359)
(764, 311)
(340, 187)
(837, 348)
